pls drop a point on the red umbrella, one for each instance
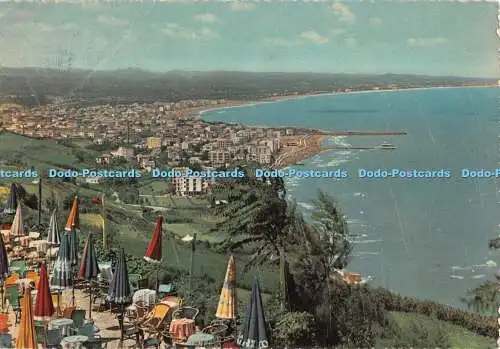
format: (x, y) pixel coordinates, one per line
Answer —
(44, 308)
(154, 251)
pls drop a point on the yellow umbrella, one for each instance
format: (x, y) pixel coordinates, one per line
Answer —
(227, 303)
(26, 338)
(73, 221)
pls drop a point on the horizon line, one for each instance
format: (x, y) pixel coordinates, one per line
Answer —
(239, 71)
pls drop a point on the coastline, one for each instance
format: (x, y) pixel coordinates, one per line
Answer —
(307, 145)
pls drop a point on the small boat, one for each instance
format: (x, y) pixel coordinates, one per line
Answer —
(387, 145)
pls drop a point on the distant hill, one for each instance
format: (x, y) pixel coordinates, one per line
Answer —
(31, 86)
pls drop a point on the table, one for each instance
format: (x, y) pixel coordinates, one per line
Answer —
(74, 341)
(64, 324)
(148, 297)
(201, 339)
(181, 329)
(106, 271)
(34, 234)
(24, 241)
(40, 245)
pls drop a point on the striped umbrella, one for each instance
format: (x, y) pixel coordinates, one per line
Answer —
(4, 267)
(253, 334)
(73, 248)
(119, 291)
(89, 268)
(73, 221)
(62, 273)
(17, 228)
(26, 338)
(44, 308)
(12, 200)
(154, 250)
(227, 308)
(54, 237)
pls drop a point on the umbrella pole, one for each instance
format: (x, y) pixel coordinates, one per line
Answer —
(157, 280)
(2, 294)
(121, 324)
(90, 299)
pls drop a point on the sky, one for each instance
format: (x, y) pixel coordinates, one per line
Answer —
(433, 38)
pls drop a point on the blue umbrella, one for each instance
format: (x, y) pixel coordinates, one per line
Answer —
(119, 289)
(62, 273)
(253, 334)
(12, 200)
(73, 248)
(4, 266)
(54, 237)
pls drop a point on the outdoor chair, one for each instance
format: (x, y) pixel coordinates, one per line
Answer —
(54, 338)
(155, 323)
(13, 298)
(171, 300)
(151, 343)
(5, 340)
(4, 323)
(78, 317)
(41, 333)
(218, 331)
(32, 275)
(94, 340)
(12, 279)
(20, 265)
(186, 313)
(68, 311)
(141, 311)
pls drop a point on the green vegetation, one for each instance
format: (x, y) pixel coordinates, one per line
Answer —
(293, 259)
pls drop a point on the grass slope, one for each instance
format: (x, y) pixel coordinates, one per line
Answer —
(457, 337)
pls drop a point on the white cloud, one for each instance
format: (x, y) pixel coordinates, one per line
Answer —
(279, 42)
(426, 42)
(241, 6)
(205, 18)
(176, 31)
(313, 36)
(111, 20)
(375, 21)
(338, 32)
(343, 13)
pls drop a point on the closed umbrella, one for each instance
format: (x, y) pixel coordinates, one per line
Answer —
(54, 237)
(227, 308)
(12, 200)
(253, 334)
(62, 273)
(73, 221)
(154, 250)
(4, 268)
(44, 308)
(26, 338)
(17, 227)
(89, 268)
(119, 291)
(73, 248)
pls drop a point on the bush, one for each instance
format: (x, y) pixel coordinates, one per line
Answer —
(293, 329)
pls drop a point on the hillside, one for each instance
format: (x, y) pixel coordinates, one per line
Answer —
(134, 85)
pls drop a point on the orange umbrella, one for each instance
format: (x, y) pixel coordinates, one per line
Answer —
(26, 338)
(44, 308)
(227, 302)
(74, 217)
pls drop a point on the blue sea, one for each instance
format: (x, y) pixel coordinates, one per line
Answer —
(421, 237)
